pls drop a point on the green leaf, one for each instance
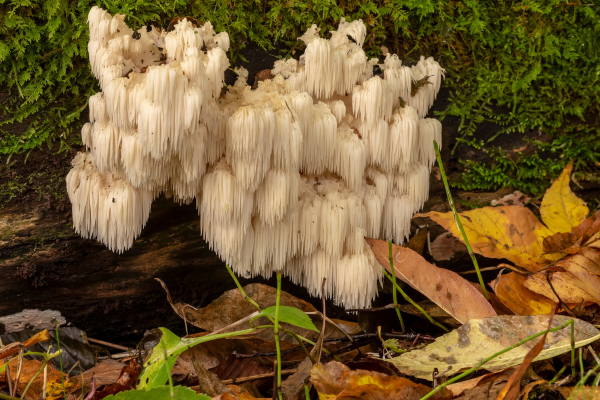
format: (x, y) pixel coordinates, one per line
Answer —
(161, 393)
(290, 315)
(155, 374)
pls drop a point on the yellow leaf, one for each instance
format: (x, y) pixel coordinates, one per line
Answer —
(561, 210)
(510, 232)
(481, 338)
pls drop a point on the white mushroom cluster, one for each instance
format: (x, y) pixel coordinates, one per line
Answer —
(291, 176)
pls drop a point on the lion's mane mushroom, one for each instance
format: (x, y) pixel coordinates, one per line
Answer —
(290, 176)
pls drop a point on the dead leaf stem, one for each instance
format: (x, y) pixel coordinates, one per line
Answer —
(457, 219)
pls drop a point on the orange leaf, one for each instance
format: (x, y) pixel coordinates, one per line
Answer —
(510, 289)
(510, 232)
(447, 289)
(335, 381)
(561, 210)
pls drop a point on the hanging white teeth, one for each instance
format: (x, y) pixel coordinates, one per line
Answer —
(290, 176)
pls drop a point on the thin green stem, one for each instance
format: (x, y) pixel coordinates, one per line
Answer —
(585, 377)
(476, 367)
(418, 307)
(276, 331)
(241, 289)
(7, 397)
(62, 375)
(47, 358)
(394, 294)
(457, 218)
(298, 337)
(33, 379)
(300, 342)
(573, 350)
(255, 304)
(558, 375)
(306, 393)
(581, 361)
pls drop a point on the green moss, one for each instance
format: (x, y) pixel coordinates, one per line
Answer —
(526, 64)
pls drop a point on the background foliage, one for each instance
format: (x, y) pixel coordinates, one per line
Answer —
(521, 64)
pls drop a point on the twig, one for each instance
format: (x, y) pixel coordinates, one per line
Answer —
(413, 303)
(562, 303)
(102, 342)
(324, 321)
(457, 218)
(394, 294)
(473, 271)
(476, 367)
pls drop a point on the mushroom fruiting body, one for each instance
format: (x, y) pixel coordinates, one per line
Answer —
(290, 176)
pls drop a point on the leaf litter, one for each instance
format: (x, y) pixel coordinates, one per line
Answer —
(556, 266)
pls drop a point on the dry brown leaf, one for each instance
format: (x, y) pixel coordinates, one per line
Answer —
(335, 381)
(28, 369)
(561, 210)
(231, 307)
(513, 386)
(571, 288)
(513, 199)
(512, 292)
(488, 388)
(105, 373)
(458, 388)
(447, 289)
(213, 352)
(294, 384)
(417, 242)
(445, 246)
(509, 232)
